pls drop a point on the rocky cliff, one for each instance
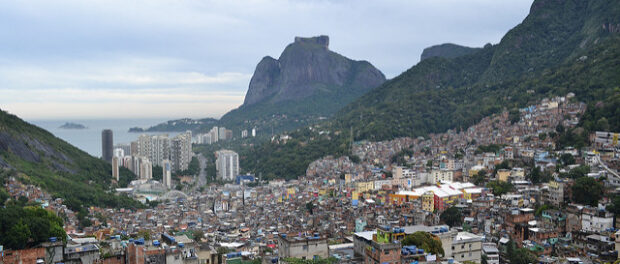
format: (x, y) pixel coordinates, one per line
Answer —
(307, 82)
(305, 67)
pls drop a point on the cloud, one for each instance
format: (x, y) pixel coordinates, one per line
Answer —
(106, 50)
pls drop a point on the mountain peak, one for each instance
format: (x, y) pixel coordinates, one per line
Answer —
(321, 40)
(446, 50)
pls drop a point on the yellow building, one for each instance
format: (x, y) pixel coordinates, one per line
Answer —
(365, 186)
(428, 201)
(348, 178)
(503, 175)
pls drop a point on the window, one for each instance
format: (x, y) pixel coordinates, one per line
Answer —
(305, 247)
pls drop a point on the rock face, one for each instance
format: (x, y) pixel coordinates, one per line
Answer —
(305, 67)
(447, 50)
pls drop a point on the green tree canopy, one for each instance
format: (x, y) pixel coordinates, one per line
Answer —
(452, 217)
(587, 191)
(424, 240)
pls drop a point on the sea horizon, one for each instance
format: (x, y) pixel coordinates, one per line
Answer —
(89, 138)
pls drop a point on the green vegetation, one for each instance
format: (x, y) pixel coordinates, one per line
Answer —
(576, 173)
(182, 125)
(452, 217)
(480, 178)
(399, 158)
(22, 226)
(551, 53)
(59, 168)
(519, 255)
(587, 191)
(447, 50)
(424, 240)
(493, 148)
(537, 176)
(499, 187)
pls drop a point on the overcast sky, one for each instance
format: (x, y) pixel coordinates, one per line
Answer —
(146, 59)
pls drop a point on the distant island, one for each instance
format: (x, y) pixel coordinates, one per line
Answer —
(136, 130)
(179, 125)
(70, 125)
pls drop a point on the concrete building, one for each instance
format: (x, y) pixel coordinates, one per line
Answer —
(595, 220)
(385, 247)
(107, 145)
(215, 134)
(492, 253)
(302, 247)
(441, 176)
(125, 147)
(467, 247)
(222, 133)
(146, 169)
(115, 168)
(167, 174)
(181, 151)
(253, 132)
(155, 148)
(554, 194)
(227, 164)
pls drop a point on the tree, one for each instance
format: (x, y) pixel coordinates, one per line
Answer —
(452, 217)
(198, 235)
(587, 191)
(424, 240)
(542, 136)
(567, 159)
(480, 177)
(144, 234)
(522, 256)
(310, 207)
(498, 187)
(17, 237)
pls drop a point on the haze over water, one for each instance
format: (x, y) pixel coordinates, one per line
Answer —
(89, 139)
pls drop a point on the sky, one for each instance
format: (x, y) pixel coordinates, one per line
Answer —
(106, 59)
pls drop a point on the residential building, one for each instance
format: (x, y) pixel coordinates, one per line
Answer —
(492, 253)
(146, 170)
(467, 247)
(227, 164)
(438, 176)
(115, 168)
(107, 145)
(167, 174)
(384, 248)
(595, 220)
(181, 151)
(311, 247)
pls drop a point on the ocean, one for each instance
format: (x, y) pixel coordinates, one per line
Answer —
(89, 139)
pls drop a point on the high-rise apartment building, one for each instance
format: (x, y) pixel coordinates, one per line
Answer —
(222, 133)
(215, 134)
(155, 148)
(125, 147)
(181, 151)
(107, 145)
(227, 164)
(146, 170)
(167, 174)
(115, 169)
